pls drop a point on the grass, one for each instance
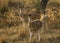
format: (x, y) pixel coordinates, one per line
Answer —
(12, 31)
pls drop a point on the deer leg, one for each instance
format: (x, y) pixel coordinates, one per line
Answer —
(43, 27)
(30, 35)
(39, 37)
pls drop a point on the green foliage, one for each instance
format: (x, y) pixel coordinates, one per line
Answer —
(36, 4)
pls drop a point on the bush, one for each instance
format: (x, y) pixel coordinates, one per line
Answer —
(4, 9)
(54, 4)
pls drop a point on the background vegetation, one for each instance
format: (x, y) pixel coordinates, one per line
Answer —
(11, 29)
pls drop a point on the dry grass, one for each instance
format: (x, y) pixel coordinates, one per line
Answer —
(12, 31)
